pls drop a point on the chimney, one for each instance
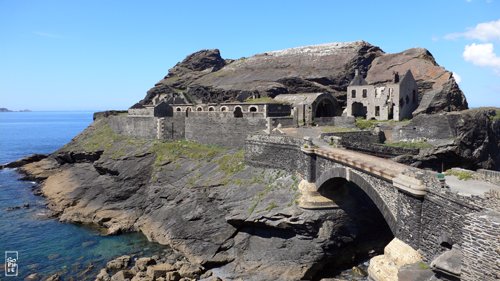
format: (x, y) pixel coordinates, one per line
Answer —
(396, 77)
(356, 72)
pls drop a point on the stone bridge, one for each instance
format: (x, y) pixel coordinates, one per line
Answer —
(418, 208)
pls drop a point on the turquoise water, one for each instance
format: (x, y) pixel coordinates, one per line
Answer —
(46, 246)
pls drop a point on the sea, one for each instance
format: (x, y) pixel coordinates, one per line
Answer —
(41, 244)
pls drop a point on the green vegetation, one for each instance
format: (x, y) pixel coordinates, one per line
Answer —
(261, 100)
(101, 138)
(364, 124)
(172, 150)
(495, 117)
(461, 175)
(423, 265)
(233, 163)
(410, 144)
(271, 206)
(333, 129)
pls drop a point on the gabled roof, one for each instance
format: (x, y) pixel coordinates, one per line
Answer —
(302, 98)
(358, 80)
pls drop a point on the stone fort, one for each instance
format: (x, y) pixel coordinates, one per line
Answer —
(416, 207)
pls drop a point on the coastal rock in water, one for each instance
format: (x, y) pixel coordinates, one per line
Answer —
(142, 263)
(159, 270)
(26, 160)
(118, 263)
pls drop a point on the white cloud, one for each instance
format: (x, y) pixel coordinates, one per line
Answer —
(457, 77)
(482, 55)
(484, 31)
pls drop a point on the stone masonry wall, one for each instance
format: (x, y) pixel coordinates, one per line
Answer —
(173, 127)
(142, 127)
(481, 247)
(221, 128)
(442, 222)
(274, 151)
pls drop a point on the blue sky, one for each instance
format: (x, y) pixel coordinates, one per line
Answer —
(97, 55)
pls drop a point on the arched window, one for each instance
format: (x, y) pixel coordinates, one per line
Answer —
(223, 108)
(353, 94)
(365, 93)
(178, 109)
(237, 112)
(211, 108)
(252, 109)
(199, 108)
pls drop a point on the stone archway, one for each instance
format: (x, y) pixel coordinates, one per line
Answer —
(325, 108)
(338, 174)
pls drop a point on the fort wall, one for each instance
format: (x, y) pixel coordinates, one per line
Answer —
(222, 128)
(141, 127)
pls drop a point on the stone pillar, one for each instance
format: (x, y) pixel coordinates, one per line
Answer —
(409, 218)
(308, 160)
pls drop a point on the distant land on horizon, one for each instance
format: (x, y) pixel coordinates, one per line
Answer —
(3, 109)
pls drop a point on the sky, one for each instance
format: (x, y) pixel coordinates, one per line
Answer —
(105, 54)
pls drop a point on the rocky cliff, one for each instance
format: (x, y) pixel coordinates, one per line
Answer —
(206, 77)
(203, 201)
(469, 139)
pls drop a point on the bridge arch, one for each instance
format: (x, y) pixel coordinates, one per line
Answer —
(353, 177)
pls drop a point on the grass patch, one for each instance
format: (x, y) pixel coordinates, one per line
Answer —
(364, 124)
(233, 163)
(461, 175)
(333, 129)
(495, 117)
(172, 150)
(271, 206)
(423, 265)
(101, 138)
(410, 144)
(261, 100)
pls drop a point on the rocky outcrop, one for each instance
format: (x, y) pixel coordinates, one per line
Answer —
(206, 77)
(438, 90)
(469, 139)
(203, 202)
(396, 255)
(23, 161)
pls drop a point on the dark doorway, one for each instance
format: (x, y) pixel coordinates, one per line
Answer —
(325, 108)
(358, 110)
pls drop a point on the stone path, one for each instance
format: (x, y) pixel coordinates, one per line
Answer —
(470, 187)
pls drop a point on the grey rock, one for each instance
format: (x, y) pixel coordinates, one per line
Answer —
(122, 275)
(103, 275)
(118, 263)
(449, 262)
(416, 272)
(469, 139)
(54, 277)
(143, 263)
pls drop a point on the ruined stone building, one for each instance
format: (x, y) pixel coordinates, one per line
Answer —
(311, 108)
(396, 100)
